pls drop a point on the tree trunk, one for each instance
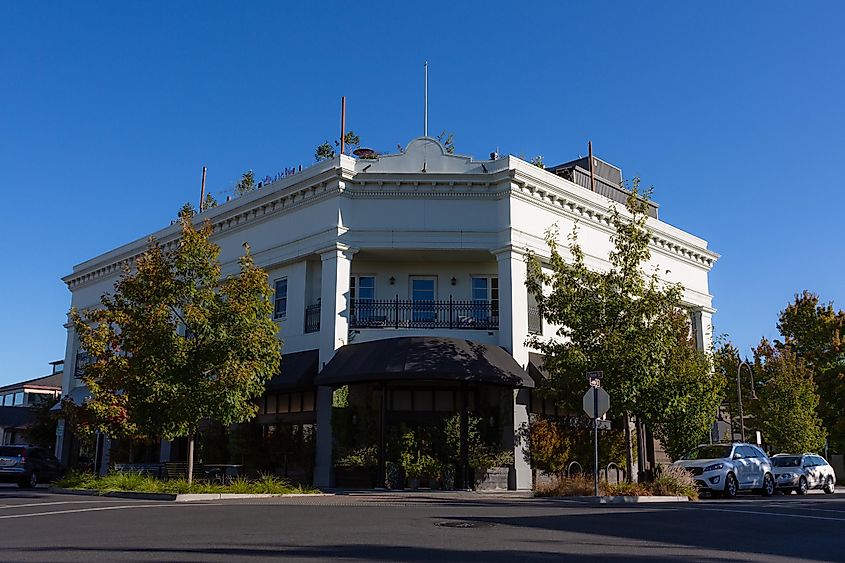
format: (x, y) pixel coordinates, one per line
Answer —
(641, 461)
(190, 459)
(629, 450)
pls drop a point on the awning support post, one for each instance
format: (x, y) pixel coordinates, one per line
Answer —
(382, 463)
(465, 479)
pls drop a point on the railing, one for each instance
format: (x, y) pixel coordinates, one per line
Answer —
(535, 321)
(312, 318)
(404, 313)
(606, 189)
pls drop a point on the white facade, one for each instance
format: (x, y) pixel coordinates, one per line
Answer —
(420, 215)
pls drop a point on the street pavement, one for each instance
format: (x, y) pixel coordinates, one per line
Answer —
(41, 526)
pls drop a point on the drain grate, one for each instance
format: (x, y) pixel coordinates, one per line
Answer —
(462, 524)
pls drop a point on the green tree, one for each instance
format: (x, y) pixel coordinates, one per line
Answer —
(208, 202)
(176, 344)
(324, 152)
(815, 332)
(246, 185)
(351, 142)
(786, 412)
(42, 431)
(625, 323)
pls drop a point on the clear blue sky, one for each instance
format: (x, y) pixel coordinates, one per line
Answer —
(108, 111)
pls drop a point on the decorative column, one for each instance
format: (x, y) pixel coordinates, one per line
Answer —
(334, 333)
(63, 441)
(702, 327)
(513, 331)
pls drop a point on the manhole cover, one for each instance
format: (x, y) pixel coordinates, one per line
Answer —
(462, 524)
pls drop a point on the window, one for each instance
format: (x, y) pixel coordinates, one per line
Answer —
(18, 398)
(280, 309)
(423, 294)
(7, 400)
(362, 291)
(485, 294)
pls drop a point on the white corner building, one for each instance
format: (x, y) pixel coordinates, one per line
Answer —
(408, 270)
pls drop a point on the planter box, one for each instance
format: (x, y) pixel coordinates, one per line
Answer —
(494, 479)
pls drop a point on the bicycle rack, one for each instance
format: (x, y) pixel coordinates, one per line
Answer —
(616, 468)
(569, 468)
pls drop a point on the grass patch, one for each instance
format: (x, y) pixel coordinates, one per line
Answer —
(140, 483)
(671, 481)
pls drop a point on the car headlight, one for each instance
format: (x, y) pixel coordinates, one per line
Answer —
(786, 475)
(714, 467)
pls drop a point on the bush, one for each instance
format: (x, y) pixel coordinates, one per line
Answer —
(675, 481)
(625, 489)
(139, 483)
(575, 486)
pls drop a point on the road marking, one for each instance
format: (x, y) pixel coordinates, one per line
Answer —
(97, 509)
(806, 516)
(112, 500)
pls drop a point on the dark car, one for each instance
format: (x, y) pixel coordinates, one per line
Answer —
(28, 465)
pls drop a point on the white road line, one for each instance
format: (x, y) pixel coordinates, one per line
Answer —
(93, 500)
(96, 509)
(806, 516)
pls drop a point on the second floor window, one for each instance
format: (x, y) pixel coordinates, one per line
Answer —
(362, 291)
(280, 301)
(485, 289)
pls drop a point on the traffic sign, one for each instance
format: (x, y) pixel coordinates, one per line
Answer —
(596, 402)
(594, 377)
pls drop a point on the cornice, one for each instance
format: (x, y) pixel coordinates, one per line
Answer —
(571, 204)
(251, 211)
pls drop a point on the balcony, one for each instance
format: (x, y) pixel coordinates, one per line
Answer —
(404, 313)
(312, 318)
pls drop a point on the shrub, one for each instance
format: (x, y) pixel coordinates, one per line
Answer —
(625, 489)
(136, 482)
(675, 481)
(575, 486)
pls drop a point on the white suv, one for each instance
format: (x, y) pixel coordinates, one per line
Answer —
(726, 469)
(800, 473)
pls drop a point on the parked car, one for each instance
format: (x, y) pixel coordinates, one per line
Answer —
(802, 472)
(28, 465)
(726, 469)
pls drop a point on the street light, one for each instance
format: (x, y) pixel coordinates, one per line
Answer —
(739, 394)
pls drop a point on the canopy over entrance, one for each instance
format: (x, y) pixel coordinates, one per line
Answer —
(423, 358)
(297, 371)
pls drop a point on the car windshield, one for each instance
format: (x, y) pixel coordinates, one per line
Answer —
(713, 451)
(10, 451)
(787, 461)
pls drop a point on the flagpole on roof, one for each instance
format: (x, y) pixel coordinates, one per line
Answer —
(425, 103)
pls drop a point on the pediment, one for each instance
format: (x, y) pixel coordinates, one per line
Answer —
(423, 154)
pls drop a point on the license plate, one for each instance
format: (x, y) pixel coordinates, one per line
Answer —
(7, 461)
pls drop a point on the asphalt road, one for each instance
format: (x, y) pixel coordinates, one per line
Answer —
(39, 526)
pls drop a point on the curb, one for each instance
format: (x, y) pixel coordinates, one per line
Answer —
(624, 499)
(180, 497)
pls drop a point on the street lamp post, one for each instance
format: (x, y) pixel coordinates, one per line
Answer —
(739, 394)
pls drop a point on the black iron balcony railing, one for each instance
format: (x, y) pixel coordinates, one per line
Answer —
(312, 318)
(535, 321)
(404, 313)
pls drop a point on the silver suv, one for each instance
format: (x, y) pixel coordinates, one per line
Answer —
(801, 473)
(726, 469)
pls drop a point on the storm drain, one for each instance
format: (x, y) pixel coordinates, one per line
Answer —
(462, 524)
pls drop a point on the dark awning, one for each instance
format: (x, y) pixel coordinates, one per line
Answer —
(423, 358)
(297, 371)
(16, 417)
(536, 369)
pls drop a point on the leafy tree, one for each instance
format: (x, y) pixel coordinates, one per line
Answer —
(324, 152)
(246, 185)
(351, 142)
(42, 431)
(447, 139)
(786, 411)
(815, 333)
(625, 323)
(538, 161)
(176, 344)
(208, 202)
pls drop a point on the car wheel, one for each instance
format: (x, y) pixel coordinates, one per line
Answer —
(830, 486)
(802, 486)
(731, 486)
(29, 483)
(768, 485)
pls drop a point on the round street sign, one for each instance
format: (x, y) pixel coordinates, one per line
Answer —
(602, 400)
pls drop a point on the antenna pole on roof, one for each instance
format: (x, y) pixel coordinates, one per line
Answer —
(592, 166)
(425, 101)
(202, 190)
(342, 123)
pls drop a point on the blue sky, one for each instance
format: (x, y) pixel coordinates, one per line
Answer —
(108, 111)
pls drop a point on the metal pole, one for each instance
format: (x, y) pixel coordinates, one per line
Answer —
(425, 102)
(739, 398)
(382, 463)
(595, 441)
(202, 191)
(342, 123)
(464, 437)
(592, 168)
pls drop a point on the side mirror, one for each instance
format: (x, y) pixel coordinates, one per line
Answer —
(737, 456)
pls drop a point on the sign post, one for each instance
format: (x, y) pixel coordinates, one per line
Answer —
(596, 403)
